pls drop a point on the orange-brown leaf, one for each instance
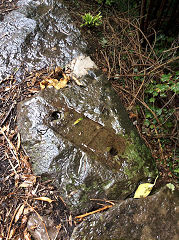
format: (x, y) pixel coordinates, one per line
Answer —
(19, 213)
(46, 199)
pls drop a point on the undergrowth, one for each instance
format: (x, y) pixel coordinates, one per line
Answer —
(147, 80)
(144, 74)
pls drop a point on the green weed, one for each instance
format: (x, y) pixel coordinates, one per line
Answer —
(91, 21)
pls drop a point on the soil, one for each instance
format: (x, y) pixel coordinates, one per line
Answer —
(15, 170)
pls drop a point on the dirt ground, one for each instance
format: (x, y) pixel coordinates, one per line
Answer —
(19, 188)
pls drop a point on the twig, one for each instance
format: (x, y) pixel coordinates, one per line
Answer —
(168, 50)
(163, 64)
(9, 229)
(132, 102)
(10, 109)
(93, 212)
(143, 103)
(14, 168)
(11, 146)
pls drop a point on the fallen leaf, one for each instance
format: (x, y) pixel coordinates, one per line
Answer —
(29, 180)
(12, 232)
(70, 220)
(26, 184)
(27, 235)
(61, 84)
(77, 121)
(27, 165)
(58, 70)
(46, 199)
(52, 82)
(27, 210)
(171, 186)
(77, 81)
(19, 213)
(18, 142)
(29, 177)
(144, 189)
(33, 90)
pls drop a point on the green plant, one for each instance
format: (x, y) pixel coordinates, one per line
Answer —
(168, 82)
(157, 94)
(90, 20)
(107, 2)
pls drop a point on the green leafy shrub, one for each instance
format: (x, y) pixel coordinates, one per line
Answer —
(157, 93)
(90, 20)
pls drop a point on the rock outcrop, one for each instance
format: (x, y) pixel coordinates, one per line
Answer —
(100, 155)
(151, 218)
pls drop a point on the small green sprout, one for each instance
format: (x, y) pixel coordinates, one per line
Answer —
(90, 20)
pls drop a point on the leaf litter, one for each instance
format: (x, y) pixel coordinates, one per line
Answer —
(23, 193)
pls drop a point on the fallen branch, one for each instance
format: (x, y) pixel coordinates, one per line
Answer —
(93, 212)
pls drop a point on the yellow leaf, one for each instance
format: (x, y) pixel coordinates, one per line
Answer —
(144, 189)
(52, 82)
(26, 184)
(46, 199)
(77, 81)
(42, 85)
(77, 121)
(19, 213)
(61, 84)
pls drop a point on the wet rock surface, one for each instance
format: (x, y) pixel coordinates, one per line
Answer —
(155, 217)
(38, 34)
(101, 156)
(36, 226)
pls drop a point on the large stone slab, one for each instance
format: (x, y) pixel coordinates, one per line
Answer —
(155, 217)
(101, 156)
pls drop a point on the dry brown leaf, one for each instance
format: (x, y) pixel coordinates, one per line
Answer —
(12, 232)
(18, 142)
(58, 70)
(19, 213)
(26, 184)
(70, 220)
(53, 82)
(29, 177)
(24, 219)
(16, 179)
(46, 199)
(26, 162)
(34, 79)
(33, 90)
(29, 180)
(27, 210)
(132, 115)
(77, 81)
(27, 235)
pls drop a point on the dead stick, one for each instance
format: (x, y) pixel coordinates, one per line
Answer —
(90, 213)
(143, 103)
(12, 106)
